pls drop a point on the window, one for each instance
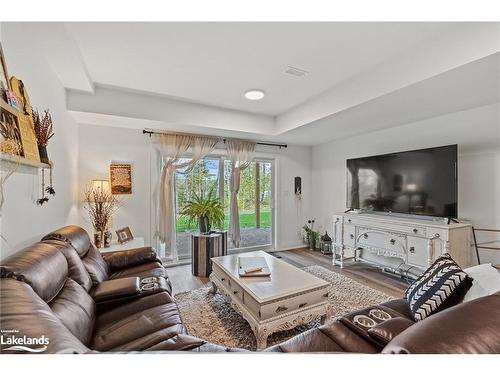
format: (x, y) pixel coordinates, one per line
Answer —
(255, 199)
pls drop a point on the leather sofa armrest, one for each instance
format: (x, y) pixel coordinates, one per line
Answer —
(467, 328)
(128, 258)
(384, 332)
(117, 289)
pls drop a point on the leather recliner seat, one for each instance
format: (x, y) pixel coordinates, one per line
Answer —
(47, 289)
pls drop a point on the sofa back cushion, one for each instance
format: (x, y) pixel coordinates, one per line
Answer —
(41, 265)
(96, 266)
(76, 268)
(92, 259)
(24, 313)
(74, 235)
(76, 310)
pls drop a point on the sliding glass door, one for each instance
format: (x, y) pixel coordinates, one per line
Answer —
(255, 201)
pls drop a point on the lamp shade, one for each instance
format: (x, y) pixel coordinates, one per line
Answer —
(102, 185)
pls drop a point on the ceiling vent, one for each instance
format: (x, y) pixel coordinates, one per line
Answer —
(295, 71)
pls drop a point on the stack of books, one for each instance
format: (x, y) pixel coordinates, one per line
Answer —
(253, 266)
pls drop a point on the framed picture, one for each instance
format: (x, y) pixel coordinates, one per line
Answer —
(120, 177)
(124, 235)
(9, 129)
(4, 76)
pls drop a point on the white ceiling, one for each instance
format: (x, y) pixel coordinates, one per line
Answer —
(215, 63)
(472, 85)
(192, 76)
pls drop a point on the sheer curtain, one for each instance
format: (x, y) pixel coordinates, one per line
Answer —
(172, 147)
(241, 154)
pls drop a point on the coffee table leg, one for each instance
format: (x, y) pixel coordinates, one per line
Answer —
(261, 336)
(328, 314)
(213, 290)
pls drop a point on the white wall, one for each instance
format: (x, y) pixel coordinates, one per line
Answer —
(99, 145)
(477, 133)
(295, 161)
(22, 221)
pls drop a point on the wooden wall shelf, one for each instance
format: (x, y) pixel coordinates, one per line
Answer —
(4, 105)
(22, 161)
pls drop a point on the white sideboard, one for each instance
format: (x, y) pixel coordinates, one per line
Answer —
(416, 242)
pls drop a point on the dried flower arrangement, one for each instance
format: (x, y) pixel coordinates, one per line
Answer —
(101, 205)
(43, 127)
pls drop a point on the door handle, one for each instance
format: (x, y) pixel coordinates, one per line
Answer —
(393, 241)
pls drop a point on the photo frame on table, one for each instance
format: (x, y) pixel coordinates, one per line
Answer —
(124, 235)
(120, 178)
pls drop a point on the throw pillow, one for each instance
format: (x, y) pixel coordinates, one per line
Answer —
(486, 281)
(442, 285)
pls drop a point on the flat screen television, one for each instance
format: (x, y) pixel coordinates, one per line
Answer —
(418, 182)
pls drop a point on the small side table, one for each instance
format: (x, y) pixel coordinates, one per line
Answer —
(116, 246)
(203, 248)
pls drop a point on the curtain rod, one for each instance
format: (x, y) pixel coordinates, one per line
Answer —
(280, 145)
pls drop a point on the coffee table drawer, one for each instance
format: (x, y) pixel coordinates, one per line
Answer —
(236, 290)
(301, 301)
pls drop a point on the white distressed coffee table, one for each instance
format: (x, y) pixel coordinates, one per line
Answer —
(288, 298)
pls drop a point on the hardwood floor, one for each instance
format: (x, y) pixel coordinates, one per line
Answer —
(182, 280)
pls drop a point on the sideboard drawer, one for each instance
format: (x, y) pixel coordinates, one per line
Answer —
(350, 235)
(416, 230)
(417, 251)
(382, 240)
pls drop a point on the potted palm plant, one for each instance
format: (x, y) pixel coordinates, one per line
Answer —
(206, 210)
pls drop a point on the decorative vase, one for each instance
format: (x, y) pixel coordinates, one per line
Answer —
(311, 240)
(107, 238)
(42, 150)
(98, 239)
(204, 224)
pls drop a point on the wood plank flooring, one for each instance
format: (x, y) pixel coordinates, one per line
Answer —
(182, 280)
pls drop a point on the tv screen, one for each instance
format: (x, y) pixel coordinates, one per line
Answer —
(419, 182)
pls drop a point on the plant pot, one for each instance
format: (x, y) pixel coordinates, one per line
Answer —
(42, 150)
(204, 224)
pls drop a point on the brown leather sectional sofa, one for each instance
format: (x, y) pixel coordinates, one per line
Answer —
(63, 289)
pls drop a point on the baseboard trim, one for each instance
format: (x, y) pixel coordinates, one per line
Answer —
(293, 247)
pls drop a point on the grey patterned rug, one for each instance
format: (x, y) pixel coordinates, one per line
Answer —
(211, 318)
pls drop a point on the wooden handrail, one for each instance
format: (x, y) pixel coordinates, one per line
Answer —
(481, 246)
(488, 247)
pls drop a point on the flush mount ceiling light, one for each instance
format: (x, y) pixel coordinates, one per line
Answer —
(254, 94)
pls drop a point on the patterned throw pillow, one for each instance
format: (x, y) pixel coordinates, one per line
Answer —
(442, 285)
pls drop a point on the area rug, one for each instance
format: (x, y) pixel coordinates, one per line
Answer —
(211, 318)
